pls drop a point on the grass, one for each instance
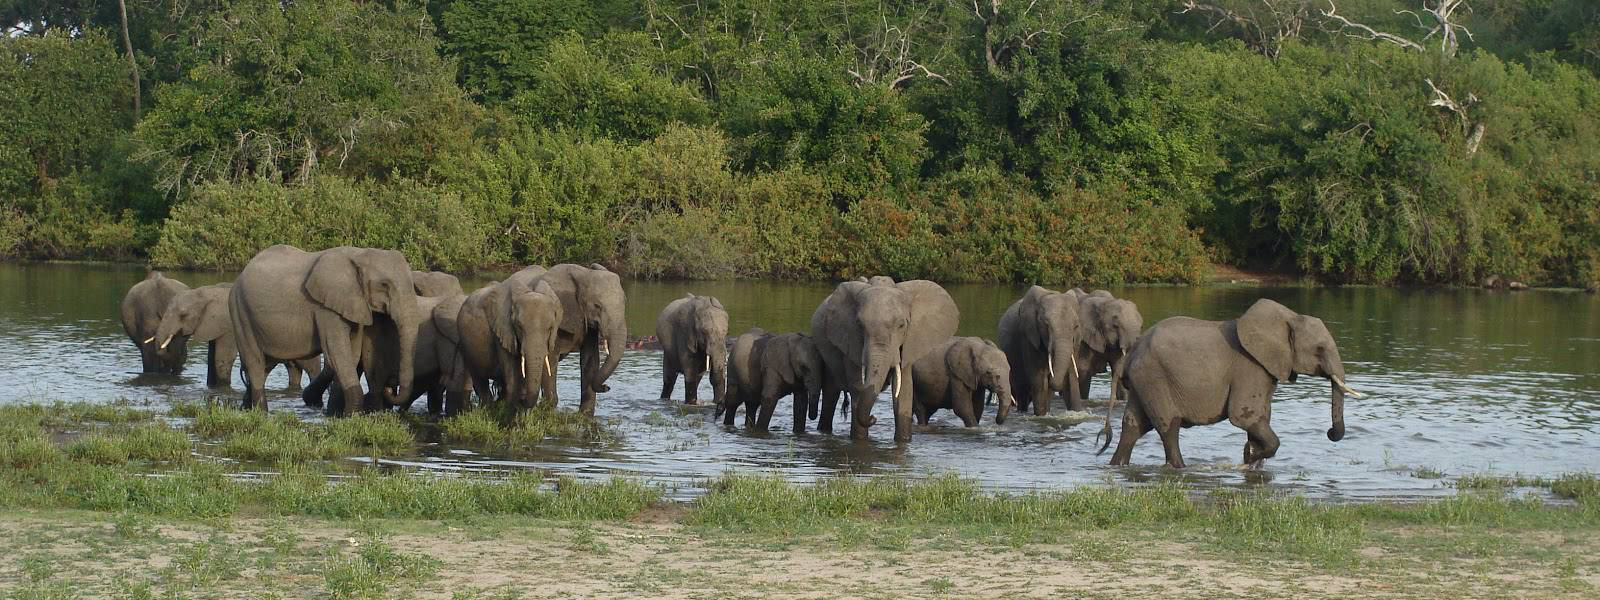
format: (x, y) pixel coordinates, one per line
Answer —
(528, 430)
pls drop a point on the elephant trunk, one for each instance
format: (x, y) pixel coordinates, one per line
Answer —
(881, 365)
(615, 338)
(1002, 393)
(408, 353)
(1336, 432)
(717, 364)
(1061, 363)
(166, 331)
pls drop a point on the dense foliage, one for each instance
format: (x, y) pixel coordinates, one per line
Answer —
(1057, 141)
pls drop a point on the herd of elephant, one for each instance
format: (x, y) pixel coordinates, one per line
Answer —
(366, 313)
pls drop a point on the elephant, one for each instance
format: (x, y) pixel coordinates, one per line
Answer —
(763, 367)
(201, 315)
(1185, 372)
(693, 331)
(1109, 328)
(593, 323)
(956, 375)
(1037, 332)
(142, 308)
(436, 284)
(864, 330)
(379, 364)
(289, 304)
(507, 332)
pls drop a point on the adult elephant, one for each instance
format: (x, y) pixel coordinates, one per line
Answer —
(694, 341)
(864, 331)
(201, 315)
(380, 364)
(957, 375)
(289, 304)
(1039, 334)
(1110, 326)
(506, 332)
(142, 308)
(762, 368)
(1187, 372)
(592, 324)
(436, 284)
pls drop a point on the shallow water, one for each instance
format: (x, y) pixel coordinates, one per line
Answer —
(1458, 381)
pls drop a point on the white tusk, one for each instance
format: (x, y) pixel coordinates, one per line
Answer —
(1051, 360)
(1074, 358)
(168, 341)
(605, 348)
(1345, 388)
(548, 370)
(524, 367)
(708, 361)
(896, 392)
(150, 339)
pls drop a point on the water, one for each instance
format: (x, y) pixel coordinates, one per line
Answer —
(1458, 381)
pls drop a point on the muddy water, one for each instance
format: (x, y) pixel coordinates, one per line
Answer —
(1458, 381)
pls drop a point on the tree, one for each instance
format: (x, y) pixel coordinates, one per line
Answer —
(60, 103)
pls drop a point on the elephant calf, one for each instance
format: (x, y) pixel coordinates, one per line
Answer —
(1186, 372)
(763, 367)
(201, 315)
(956, 375)
(693, 331)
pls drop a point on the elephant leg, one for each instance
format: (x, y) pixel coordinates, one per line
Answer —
(729, 406)
(255, 376)
(481, 387)
(800, 407)
(312, 394)
(547, 394)
(1134, 425)
(967, 404)
(339, 351)
(860, 414)
(436, 399)
(293, 370)
(770, 394)
(830, 402)
(691, 384)
(1255, 418)
(752, 409)
(219, 362)
(1085, 371)
(1168, 429)
(669, 377)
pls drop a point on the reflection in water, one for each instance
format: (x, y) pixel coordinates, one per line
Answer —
(1462, 381)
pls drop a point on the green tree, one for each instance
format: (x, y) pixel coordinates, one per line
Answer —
(500, 44)
(600, 89)
(62, 99)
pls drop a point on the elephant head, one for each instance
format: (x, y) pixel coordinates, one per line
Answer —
(1056, 334)
(593, 306)
(805, 364)
(877, 329)
(986, 366)
(711, 336)
(371, 287)
(526, 322)
(1286, 343)
(200, 314)
(436, 284)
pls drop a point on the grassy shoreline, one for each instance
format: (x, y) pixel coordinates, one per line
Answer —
(131, 481)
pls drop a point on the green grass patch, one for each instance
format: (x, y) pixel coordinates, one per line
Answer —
(70, 415)
(98, 449)
(375, 566)
(384, 433)
(528, 430)
(1284, 525)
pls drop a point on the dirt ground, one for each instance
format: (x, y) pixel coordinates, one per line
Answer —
(63, 554)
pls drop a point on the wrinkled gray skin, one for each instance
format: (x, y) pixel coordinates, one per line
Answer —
(142, 308)
(694, 340)
(427, 284)
(508, 333)
(1109, 327)
(593, 324)
(957, 375)
(762, 368)
(201, 315)
(869, 333)
(1187, 372)
(288, 304)
(378, 350)
(436, 284)
(1040, 336)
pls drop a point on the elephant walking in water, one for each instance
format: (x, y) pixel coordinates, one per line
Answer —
(142, 308)
(694, 341)
(1186, 372)
(505, 332)
(201, 315)
(957, 375)
(762, 368)
(867, 330)
(288, 304)
(1040, 335)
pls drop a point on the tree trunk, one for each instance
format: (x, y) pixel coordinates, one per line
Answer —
(127, 45)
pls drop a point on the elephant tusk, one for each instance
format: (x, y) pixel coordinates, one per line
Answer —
(605, 348)
(1345, 388)
(708, 361)
(1074, 358)
(1051, 361)
(169, 341)
(149, 339)
(524, 367)
(548, 370)
(896, 392)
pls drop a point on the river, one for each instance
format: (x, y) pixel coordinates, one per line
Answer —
(1457, 381)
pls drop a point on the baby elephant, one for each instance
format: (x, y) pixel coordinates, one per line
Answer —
(762, 368)
(956, 375)
(1186, 372)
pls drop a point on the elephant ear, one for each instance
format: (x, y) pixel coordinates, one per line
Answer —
(335, 283)
(598, 267)
(834, 325)
(1264, 333)
(1092, 323)
(959, 359)
(498, 305)
(214, 322)
(1032, 314)
(934, 317)
(715, 302)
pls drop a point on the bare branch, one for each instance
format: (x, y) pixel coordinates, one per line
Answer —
(1366, 32)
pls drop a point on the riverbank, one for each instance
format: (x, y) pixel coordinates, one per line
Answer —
(117, 501)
